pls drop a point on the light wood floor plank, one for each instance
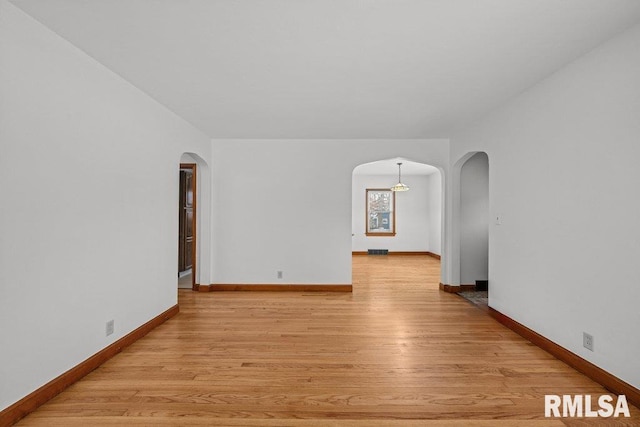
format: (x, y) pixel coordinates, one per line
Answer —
(395, 352)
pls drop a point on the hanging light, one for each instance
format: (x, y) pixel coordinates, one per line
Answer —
(399, 186)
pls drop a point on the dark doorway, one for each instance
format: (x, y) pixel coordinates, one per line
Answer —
(187, 224)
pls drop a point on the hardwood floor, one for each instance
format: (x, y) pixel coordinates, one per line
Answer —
(396, 352)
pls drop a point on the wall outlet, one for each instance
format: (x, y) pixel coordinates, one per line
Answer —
(109, 328)
(279, 274)
(587, 341)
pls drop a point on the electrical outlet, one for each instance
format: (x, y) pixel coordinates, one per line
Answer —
(587, 341)
(279, 274)
(109, 328)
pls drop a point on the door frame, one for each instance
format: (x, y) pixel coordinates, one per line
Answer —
(194, 188)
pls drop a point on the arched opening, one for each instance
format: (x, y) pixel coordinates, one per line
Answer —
(193, 222)
(473, 225)
(415, 216)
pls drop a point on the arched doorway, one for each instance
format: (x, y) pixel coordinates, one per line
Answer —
(187, 217)
(193, 222)
(417, 213)
(473, 219)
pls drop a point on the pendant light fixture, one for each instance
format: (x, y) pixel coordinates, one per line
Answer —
(399, 186)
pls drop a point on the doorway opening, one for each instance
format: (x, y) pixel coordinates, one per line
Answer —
(415, 215)
(474, 228)
(187, 227)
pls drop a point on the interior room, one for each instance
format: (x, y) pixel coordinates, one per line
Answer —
(208, 227)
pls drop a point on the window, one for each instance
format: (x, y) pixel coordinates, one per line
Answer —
(381, 220)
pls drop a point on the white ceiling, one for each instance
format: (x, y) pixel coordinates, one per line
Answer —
(390, 167)
(333, 68)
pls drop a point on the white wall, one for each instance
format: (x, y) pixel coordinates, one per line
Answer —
(187, 158)
(286, 205)
(435, 213)
(88, 221)
(412, 213)
(564, 176)
(474, 219)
